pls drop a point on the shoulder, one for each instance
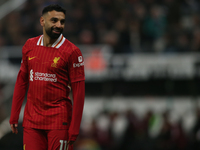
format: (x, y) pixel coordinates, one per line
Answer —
(70, 47)
(32, 42)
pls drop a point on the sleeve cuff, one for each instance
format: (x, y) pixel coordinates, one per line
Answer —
(72, 137)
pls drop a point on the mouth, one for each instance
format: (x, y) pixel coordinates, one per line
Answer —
(56, 31)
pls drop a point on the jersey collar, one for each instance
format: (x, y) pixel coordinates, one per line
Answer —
(56, 44)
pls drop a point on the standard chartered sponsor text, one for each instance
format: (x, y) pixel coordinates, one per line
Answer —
(43, 76)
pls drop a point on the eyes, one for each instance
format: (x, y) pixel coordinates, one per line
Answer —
(55, 20)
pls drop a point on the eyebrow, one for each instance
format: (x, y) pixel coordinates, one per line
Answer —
(57, 19)
(53, 18)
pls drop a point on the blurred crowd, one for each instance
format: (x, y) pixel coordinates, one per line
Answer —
(127, 131)
(127, 25)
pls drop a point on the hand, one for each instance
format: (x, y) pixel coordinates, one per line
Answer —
(70, 142)
(14, 128)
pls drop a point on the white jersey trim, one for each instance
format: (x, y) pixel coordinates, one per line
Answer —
(56, 44)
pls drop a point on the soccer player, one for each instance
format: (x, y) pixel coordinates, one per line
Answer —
(51, 67)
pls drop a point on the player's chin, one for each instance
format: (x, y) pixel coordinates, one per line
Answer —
(55, 35)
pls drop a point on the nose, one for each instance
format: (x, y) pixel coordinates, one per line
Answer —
(58, 24)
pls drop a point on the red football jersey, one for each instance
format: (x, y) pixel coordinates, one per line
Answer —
(51, 70)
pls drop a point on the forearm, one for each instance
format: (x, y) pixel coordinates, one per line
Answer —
(78, 90)
(18, 96)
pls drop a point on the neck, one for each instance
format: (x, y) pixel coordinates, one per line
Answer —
(47, 41)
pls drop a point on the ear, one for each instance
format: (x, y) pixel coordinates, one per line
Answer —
(42, 21)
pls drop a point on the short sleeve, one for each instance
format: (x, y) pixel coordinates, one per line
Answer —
(76, 66)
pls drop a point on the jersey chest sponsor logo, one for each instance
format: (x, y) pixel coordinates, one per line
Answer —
(81, 63)
(55, 61)
(42, 76)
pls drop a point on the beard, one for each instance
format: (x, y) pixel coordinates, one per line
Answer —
(53, 35)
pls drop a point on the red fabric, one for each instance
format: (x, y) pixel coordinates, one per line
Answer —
(51, 71)
(36, 139)
(78, 89)
(18, 96)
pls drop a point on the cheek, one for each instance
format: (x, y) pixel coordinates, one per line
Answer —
(47, 27)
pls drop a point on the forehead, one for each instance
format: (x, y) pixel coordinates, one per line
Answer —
(55, 14)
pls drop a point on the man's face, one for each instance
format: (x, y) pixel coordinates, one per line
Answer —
(53, 23)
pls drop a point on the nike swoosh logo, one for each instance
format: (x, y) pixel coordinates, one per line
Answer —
(29, 58)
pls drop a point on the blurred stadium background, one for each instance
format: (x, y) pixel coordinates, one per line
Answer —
(142, 66)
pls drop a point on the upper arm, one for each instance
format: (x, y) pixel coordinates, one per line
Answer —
(24, 62)
(76, 66)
